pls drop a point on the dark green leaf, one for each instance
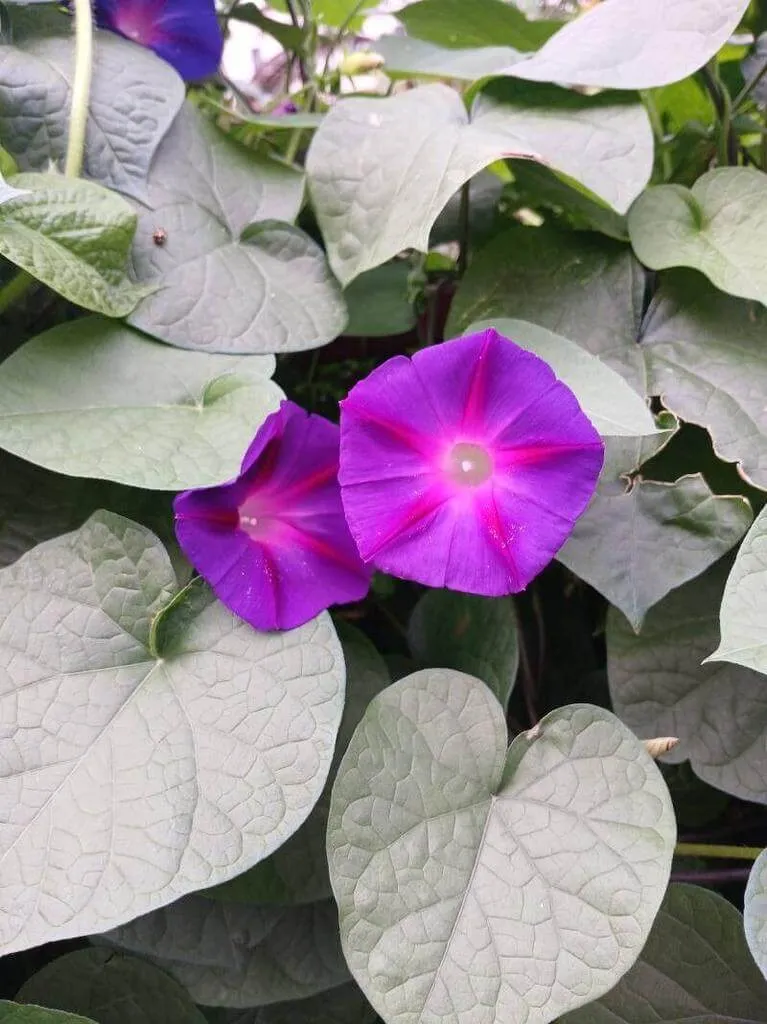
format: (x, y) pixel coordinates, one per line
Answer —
(15, 1013)
(240, 956)
(342, 1005)
(454, 23)
(75, 237)
(695, 967)
(378, 302)
(660, 688)
(585, 288)
(639, 539)
(134, 97)
(383, 208)
(476, 635)
(95, 398)
(451, 859)
(138, 762)
(228, 278)
(111, 988)
(705, 357)
(290, 37)
(715, 227)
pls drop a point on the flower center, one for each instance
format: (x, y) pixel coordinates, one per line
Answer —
(469, 464)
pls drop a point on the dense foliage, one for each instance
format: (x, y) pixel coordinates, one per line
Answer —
(489, 784)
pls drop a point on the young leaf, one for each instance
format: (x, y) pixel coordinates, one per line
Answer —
(227, 278)
(153, 744)
(382, 207)
(298, 871)
(16, 1013)
(95, 398)
(755, 912)
(620, 44)
(73, 236)
(100, 983)
(743, 614)
(133, 99)
(714, 227)
(464, 874)
(611, 405)
(694, 967)
(453, 23)
(584, 288)
(705, 358)
(660, 688)
(615, 543)
(239, 956)
(475, 635)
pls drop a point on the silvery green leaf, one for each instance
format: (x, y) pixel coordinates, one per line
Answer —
(370, 207)
(465, 873)
(152, 744)
(659, 687)
(95, 398)
(755, 912)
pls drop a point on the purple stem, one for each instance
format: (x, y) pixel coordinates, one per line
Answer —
(715, 876)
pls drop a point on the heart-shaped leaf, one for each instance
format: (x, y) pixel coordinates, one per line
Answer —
(381, 208)
(743, 615)
(611, 405)
(298, 871)
(620, 44)
(755, 912)
(705, 357)
(238, 956)
(102, 984)
(97, 399)
(685, 520)
(16, 1013)
(133, 99)
(75, 237)
(714, 227)
(153, 744)
(660, 688)
(694, 967)
(467, 878)
(585, 288)
(416, 58)
(378, 302)
(475, 635)
(226, 278)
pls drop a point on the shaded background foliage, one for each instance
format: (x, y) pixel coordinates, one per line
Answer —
(590, 180)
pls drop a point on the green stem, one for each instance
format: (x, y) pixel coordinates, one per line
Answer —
(81, 87)
(15, 289)
(294, 142)
(464, 226)
(727, 852)
(664, 156)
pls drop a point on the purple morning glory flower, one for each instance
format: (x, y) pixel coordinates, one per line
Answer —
(185, 33)
(465, 466)
(273, 544)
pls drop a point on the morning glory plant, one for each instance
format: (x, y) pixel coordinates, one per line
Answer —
(383, 512)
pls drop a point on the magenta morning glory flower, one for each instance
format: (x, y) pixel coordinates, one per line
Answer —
(273, 544)
(185, 33)
(465, 466)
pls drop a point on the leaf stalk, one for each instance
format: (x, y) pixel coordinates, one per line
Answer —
(81, 87)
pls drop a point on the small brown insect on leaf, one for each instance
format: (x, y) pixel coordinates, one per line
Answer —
(159, 236)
